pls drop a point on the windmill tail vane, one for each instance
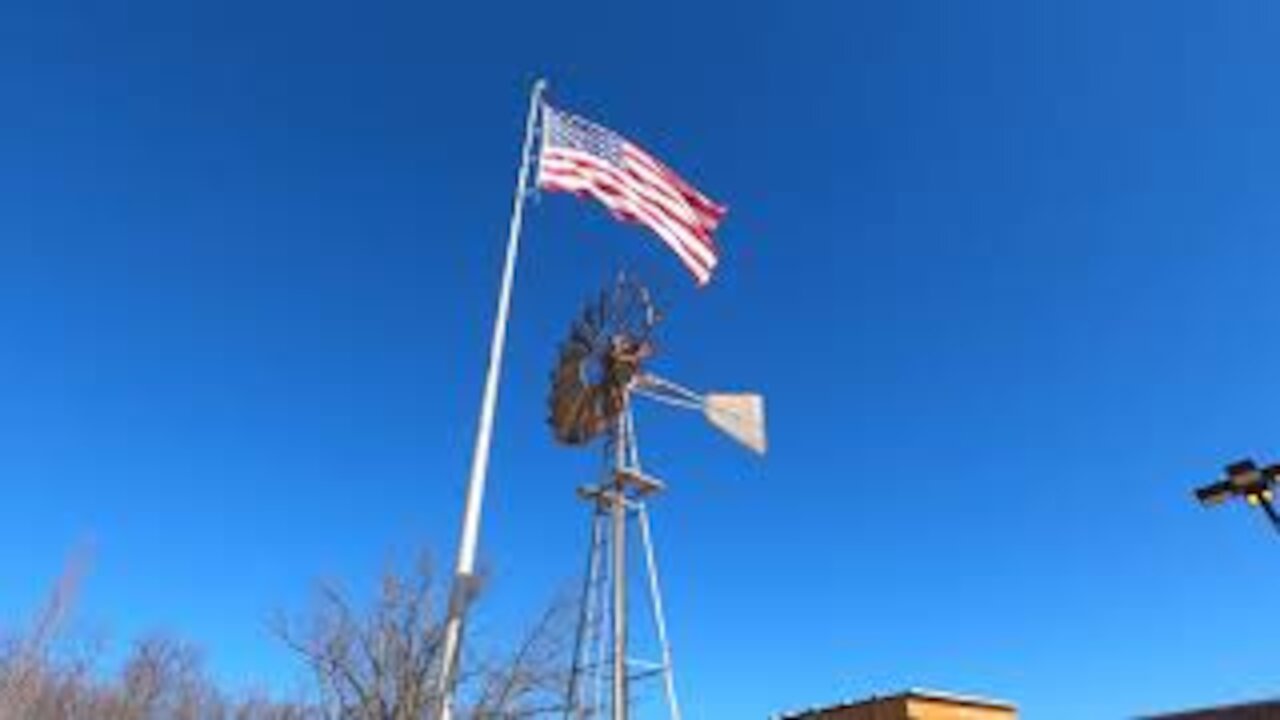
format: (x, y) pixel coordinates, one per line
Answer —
(739, 415)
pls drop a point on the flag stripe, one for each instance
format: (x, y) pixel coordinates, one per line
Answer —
(625, 209)
(672, 195)
(627, 194)
(677, 213)
(708, 210)
(578, 186)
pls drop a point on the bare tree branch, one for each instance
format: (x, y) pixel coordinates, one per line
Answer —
(383, 663)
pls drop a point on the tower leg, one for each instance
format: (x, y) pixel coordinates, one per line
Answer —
(620, 697)
(659, 617)
(600, 625)
(622, 453)
(587, 617)
(1271, 514)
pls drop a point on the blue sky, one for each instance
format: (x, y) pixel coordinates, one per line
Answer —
(1001, 269)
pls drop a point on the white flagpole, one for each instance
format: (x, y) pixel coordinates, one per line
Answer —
(464, 575)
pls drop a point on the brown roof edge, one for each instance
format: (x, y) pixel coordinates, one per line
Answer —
(1271, 703)
(908, 694)
(959, 698)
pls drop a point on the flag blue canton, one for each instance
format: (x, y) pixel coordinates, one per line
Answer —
(564, 130)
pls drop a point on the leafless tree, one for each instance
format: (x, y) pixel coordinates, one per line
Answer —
(383, 662)
(45, 677)
(373, 661)
(24, 656)
(162, 679)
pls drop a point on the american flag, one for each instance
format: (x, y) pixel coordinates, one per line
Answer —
(583, 158)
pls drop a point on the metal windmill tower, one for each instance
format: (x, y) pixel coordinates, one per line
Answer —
(601, 369)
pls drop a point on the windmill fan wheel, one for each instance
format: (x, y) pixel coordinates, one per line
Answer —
(599, 360)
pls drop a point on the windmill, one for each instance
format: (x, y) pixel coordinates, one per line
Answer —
(601, 368)
(1244, 479)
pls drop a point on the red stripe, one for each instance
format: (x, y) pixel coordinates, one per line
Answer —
(660, 182)
(711, 211)
(678, 211)
(625, 208)
(613, 196)
(624, 181)
(700, 274)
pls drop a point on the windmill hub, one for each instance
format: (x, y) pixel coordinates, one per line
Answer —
(599, 362)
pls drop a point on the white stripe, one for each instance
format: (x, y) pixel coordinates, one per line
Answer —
(669, 193)
(710, 218)
(644, 166)
(599, 171)
(652, 216)
(576, 182)
(579, 182)
(681, 209)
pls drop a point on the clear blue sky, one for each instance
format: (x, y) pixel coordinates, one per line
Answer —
(1002, 270)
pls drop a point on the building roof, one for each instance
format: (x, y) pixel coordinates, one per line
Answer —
(1243, 711)
(909, 694)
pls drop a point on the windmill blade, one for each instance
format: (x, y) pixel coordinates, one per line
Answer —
(738, 415)
(1216, 493)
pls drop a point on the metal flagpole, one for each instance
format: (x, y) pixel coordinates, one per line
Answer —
(464, 575)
